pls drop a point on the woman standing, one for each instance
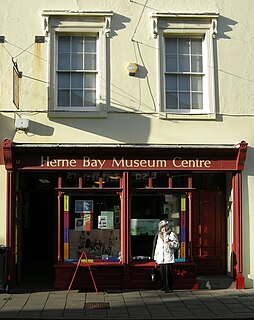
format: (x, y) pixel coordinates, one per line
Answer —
(164, 256)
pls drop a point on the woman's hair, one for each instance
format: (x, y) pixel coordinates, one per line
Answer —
(163, 223)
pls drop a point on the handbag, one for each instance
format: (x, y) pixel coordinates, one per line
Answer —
(155, 274)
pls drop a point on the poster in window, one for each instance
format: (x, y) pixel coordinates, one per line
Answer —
(102, 222)
(110, 218)
(79, 224)
(144, 227)
(88, 222)
(83, 206)
(97, 244)
(117, 216)
(168, 209)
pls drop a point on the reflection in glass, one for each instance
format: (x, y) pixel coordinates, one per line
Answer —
(63, 98)
(171, 100)
(184, 100)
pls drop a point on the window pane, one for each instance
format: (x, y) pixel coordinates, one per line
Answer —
(171, 46)
(90, 44)
(171, 100)
(90, 62)
(196, 64)
(171, 82)
(196, 46)
(77, 61)
(90, 81)
(184, 64)
(63, 98)
(64, 80)
(184, 100)
(64, 44)
(197, 101)
(77, 98)
(184, 83)
(77, 44)
(89, 98)
(171, 63)
(64, 61)
(183, 46)
(196, 83)
(77, 80)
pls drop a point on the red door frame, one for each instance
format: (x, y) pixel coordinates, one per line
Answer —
(237, 231)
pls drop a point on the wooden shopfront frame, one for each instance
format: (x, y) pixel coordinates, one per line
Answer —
(25, 157)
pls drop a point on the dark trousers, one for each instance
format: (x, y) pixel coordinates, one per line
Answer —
(166, 275)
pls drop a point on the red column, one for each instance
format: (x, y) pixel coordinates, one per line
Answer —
(59, 209)
(125, 221)
(10, 226)
(237, 231)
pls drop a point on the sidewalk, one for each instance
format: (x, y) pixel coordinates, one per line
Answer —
(143, 304)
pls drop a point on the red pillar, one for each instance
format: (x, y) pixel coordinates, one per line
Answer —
(237, 231)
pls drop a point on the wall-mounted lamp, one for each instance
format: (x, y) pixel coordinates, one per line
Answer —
(2, 39)
(132, 69)
(39, 39)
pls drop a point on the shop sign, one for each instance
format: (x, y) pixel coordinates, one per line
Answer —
(89, 163)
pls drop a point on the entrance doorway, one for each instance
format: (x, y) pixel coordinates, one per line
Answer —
(208, 232)
(36, 232)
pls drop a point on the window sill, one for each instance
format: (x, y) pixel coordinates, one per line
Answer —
(77, 114)
(170, 116)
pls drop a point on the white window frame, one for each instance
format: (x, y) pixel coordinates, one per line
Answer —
(59, 23)
(180, 25)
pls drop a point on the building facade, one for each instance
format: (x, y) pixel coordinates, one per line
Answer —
(115, 115)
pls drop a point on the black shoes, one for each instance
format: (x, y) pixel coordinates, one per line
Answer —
(167, 290)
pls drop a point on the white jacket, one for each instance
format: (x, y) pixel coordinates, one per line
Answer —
(163, 252)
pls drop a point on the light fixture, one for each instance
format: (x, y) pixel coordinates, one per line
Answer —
(114, 177)
(132, 69)
(44, 181)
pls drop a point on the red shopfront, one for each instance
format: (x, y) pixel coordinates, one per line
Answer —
(107, 201)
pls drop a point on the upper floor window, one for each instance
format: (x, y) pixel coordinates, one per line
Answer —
(186, 63)
(76, 72)
(78, 68)
(183, 74)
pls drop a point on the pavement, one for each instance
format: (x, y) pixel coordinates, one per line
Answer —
(135, 304)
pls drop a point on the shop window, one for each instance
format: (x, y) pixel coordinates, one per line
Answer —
(159, 179)
(78, 72)
(139, 179)
(186, 63)
(91, 225)
(180, 180)
(209, 181)
(92, 179)
(146, 212)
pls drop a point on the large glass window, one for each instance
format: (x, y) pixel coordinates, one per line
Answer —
(184, 73)
(91, 225)
(186, 43)
(146, 212)
(92, 179)
(76, 71)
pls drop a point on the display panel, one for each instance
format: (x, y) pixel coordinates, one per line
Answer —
(91, 224)
(146, 212)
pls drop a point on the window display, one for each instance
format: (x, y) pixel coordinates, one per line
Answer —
(146, 212)
(92, 224)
